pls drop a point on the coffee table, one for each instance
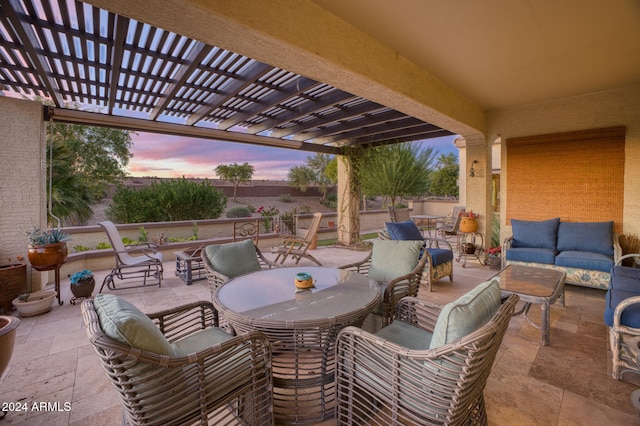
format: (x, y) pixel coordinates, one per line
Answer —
(538, 286)
(302, 328)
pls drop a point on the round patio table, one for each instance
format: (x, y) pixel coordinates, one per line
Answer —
(302, 327)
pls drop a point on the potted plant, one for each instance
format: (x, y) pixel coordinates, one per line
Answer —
(36, 303)
(47, 248)
(468, 222)
(13, 282)
(82, 284)
(495, 257)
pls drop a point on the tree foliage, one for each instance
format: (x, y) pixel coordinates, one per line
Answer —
(167, 200)
(444, 179)
(86, 159)
(396, 170)
(236, 174)
(320, 170)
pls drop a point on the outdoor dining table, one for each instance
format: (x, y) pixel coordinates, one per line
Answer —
(302, 327)
(431, 222)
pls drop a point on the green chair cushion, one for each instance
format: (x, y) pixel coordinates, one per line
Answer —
(466, 314)
(391, 259)
(233, 259)
(123, 322)
(406, 335)
(199, 341)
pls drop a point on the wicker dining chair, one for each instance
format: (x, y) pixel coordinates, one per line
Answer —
(398, 269)
(223, 262)
(198, 375)
(383, 379)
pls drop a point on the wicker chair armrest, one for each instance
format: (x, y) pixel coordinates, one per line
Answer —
(437, 243)
(617, 248)
(419, 313)
(181, 321)
(634, 300)
(266, 263)
(383, 234)
(361, 267)
(635, 256)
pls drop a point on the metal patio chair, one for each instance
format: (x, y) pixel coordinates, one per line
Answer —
(146, 265)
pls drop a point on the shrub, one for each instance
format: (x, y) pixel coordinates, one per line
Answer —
(286, 198)
(239, 212)
(166, 201)
(331, 201)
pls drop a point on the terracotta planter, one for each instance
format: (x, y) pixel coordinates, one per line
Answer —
(38, 303)
(83, 288)
(468, 224)
(47, 257)
(13, 282)
(8, 326)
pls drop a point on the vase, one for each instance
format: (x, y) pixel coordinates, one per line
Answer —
(8, 326)
(46, 257)
(38, 303)
(83, 288)
(468, 224)
(13, 282)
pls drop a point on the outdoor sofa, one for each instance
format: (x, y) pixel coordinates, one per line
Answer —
(584, 251)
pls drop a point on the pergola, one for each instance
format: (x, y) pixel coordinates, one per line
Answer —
(105, 69)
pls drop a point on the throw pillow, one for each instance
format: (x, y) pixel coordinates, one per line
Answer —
(392, 259)
(123, 322)
(535, 234)
(466, 314)
(233, 259)
(596, 237)
(406, 230)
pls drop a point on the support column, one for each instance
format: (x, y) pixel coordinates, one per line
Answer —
(478, 186)
(348, 204)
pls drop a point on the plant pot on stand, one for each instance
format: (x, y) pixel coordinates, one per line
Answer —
(49, 257)
(82, 290)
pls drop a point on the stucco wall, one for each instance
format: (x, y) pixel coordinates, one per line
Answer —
(22, 169)
(620, 107)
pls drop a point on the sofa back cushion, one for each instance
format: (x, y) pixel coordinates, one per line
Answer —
(535, 233)
(468, 313)
(595, 237)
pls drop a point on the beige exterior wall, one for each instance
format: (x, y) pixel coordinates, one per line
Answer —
(620, 107)
(22, 177)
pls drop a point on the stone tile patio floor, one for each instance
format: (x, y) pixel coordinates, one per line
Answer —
(566, 383)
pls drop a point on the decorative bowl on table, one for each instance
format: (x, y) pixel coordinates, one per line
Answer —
(303, 280)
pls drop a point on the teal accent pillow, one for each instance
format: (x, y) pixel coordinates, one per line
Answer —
(123, 322)
(233, 259)
(391, 259)
(465, 315)
(406, 230)
(535, 234)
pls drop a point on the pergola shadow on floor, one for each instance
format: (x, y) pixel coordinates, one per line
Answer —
(567, 382)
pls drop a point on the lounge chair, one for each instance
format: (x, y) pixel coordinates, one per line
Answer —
(148, 264)
(296, 247)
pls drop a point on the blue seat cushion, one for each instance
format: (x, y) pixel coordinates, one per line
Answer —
(596, 237)
(406, 230)
(440, 256)
(630, 316)
(584, 260)
(535, 233)
(537, 255)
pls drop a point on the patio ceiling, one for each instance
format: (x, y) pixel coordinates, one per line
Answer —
(105, 69)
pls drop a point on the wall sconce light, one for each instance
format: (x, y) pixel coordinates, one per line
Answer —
(472, 170)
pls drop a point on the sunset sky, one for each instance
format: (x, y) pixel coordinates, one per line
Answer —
(173, 156)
